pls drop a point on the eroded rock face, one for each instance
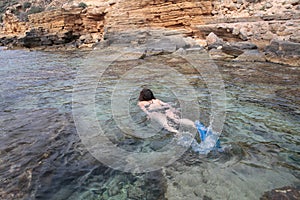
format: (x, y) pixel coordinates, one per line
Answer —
(12, 25)
(37, 37)
(158, 13)
(79, 21)
(56, 27)
(232, 20)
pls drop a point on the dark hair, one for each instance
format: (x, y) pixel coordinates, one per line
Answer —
(146, 95)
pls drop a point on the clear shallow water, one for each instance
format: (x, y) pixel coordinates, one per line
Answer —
(42, 157)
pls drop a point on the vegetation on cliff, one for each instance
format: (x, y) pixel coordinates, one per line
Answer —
(4, 5)
(21, 9)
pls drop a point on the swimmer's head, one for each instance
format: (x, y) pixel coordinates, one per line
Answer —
(146, 95)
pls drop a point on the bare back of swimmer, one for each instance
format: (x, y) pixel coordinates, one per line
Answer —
(161, 112)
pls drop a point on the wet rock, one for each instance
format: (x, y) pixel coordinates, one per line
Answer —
(190, 42)
(86, 38)
(162, 45)
(217, 45)
(37, 38)
(283, 48)
(244, 45)
(206, 198)
(232, 50)
(245, 33)
(121, 196)
(219, 54)
(212, 38)
(156, 145)
(32, 38)
(251, 56)
(5, 41)
(167, 44)
(284, 52)
(114, 190)
(46, 41)
(155, 42)
(295, 38)
(285, 193)
(135, 192)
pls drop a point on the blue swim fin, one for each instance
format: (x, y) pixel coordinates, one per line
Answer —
(202, 130)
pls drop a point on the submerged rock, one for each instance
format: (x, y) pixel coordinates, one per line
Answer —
(285, 193)
(284, 52)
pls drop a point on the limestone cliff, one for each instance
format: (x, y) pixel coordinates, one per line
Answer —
(258, 21)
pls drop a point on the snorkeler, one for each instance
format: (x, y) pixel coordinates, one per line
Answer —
(168, 117)
(162, 112)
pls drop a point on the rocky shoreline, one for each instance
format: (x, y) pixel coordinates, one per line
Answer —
(246, 30)
(234, 30)
(278, 51)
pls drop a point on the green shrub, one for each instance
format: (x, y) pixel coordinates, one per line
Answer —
(26, 5)
(51, 8)
(15, 12)
(6, 3)
(23, 17)
(35, 9)
(2, 7)
(13, 2)
(82, 5)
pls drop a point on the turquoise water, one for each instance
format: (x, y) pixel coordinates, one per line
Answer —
(42, 156)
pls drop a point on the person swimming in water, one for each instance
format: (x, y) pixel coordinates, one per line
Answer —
(162, 112)
(168, 117)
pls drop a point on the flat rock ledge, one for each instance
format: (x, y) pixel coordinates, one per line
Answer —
(284, 193)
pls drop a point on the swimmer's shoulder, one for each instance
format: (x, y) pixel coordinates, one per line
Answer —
(143, 103)
(161, 103)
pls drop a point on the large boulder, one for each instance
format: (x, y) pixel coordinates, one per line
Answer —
(212, 38)
(285, 52)
(39, 37)
(284, 48)
(232, 50)
(6, 41)
(217, 45)
(152, 42)
(244, 45)
(32, 38)
(251, 56)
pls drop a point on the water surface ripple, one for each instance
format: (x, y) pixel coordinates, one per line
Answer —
(42, 157)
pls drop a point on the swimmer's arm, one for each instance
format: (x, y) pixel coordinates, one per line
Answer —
(164, 104)
(142, 106)
(174, 110)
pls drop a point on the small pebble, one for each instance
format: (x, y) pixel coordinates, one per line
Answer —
(268, 5)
